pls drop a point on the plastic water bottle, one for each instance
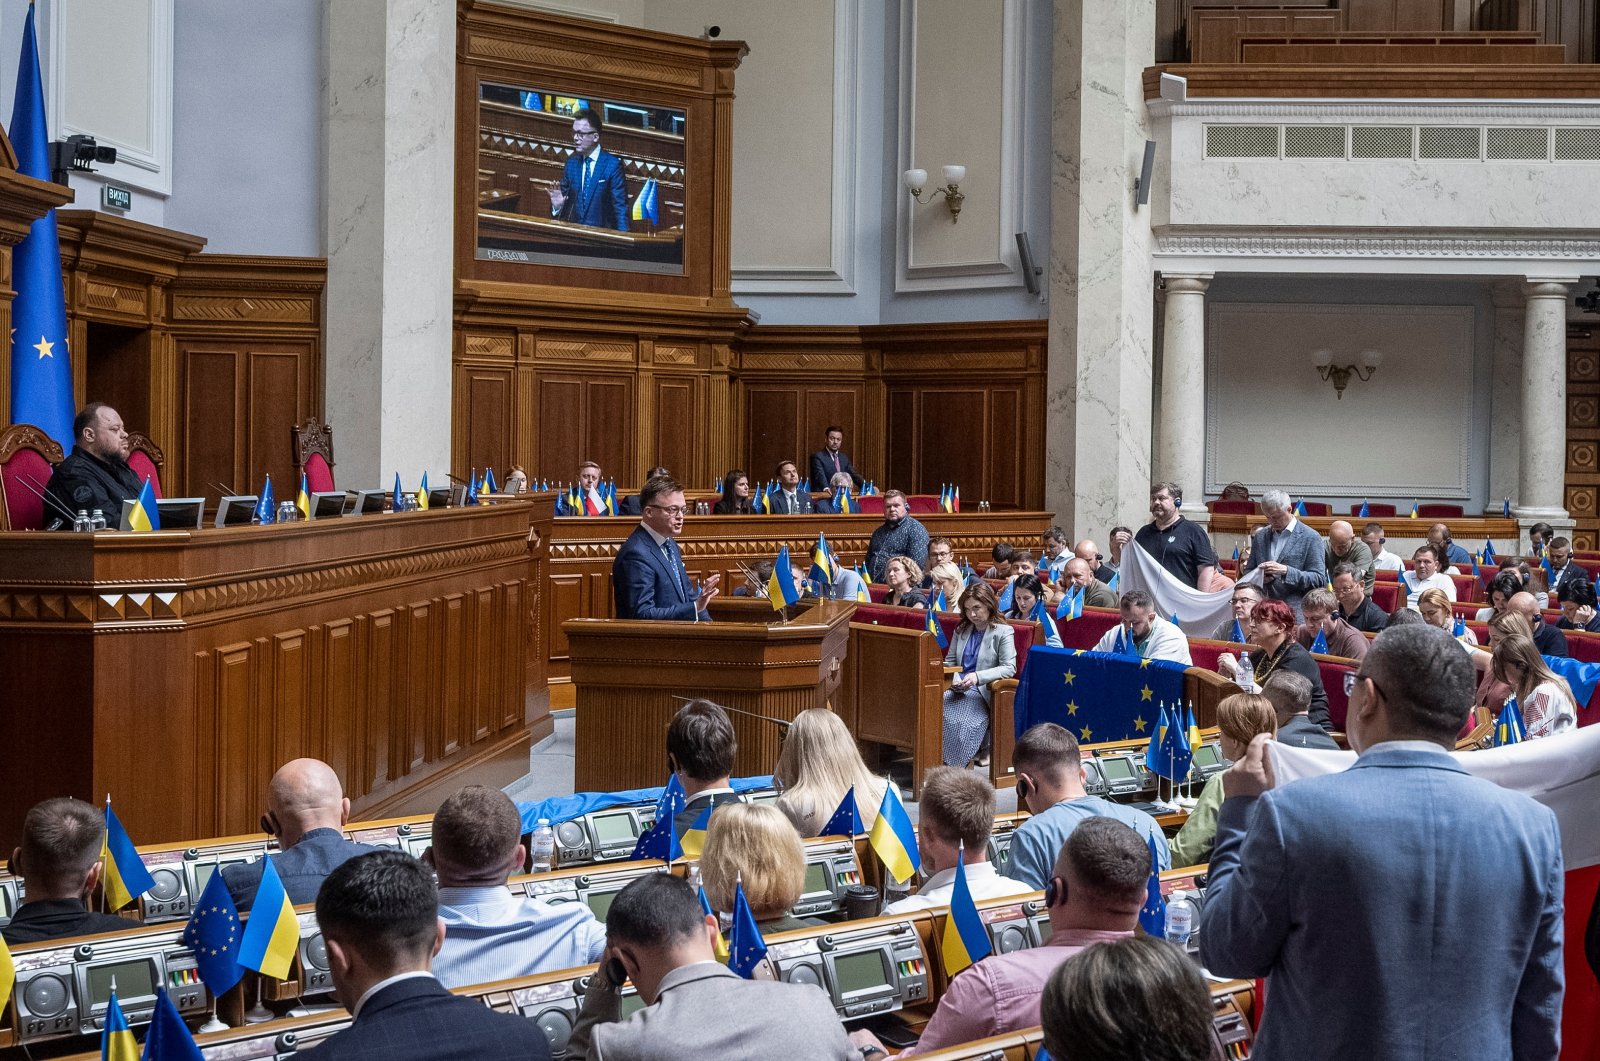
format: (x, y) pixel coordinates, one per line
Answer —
(544, 846)
(1245, 674)
(81, 523)
(97, 522)
(1180, 918)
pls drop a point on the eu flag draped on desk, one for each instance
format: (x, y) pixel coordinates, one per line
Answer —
(41, 373)
(1099, 696)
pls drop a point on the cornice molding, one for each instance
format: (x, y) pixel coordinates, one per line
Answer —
(1259, 244)
(1421, 110)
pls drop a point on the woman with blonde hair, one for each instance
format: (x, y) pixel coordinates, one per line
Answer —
(754, 844)
(904, 575)
(1434, 607)
(946, 579)
(1548, 706)
(1240, 717)
(819, 763)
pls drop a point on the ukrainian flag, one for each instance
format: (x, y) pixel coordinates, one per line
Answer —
(146, 516)
(965, 939)
(1192, 726)
(8, 974)
(302, 500)
(935, 627)
(1413, 510)
(645, 206)
(422, 493)
(125, 876)
(893, 838)
(694, 838)
(781, 589)
(272, 935)
(822, 568)
(116, 1039)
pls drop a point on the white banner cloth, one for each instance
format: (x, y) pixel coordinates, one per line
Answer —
(1198, 613)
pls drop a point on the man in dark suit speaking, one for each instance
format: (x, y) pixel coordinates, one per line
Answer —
(379, 915)
(828, 462)
(648, 577)
(593, 190)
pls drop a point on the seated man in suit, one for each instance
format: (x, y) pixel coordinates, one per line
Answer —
(95, 475)
(593, 188)
(1097, 885)
(1145, 634)
(59, 863)
(1563, 571)
(659, 938)
(830, 461)
(307, 811)
(701, 748)
(839, 485)
(491, 934)
(379, 916)
(631, 505)
(1288, 552)
(1333, 884)
(955, 815)
(648, 577)
(789, 499)
(1290, 694)
(1236, 628)
(592, 500)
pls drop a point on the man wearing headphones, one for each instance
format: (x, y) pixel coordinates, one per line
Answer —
(1093, 896)
(1175, 543)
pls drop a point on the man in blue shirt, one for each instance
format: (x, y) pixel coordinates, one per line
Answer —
(1050, 781)
(491, 934)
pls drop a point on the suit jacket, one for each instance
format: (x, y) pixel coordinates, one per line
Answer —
(302, 868)
(418, 1020)
(706, 1010)
(801, 505)
(630, 506)
(822, 470)
(605, 203)
(997, 655)
(1302, 554)
(1566, 577)
(1349, 891)
(645, 586)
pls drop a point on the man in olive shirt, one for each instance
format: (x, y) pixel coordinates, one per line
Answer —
(1345, 548)
(1096, 594)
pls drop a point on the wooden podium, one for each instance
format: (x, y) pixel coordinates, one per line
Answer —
(632, 676)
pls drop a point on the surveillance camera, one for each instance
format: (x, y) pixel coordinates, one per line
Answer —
(713, 32)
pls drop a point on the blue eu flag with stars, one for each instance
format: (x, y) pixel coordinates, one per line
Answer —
(41, 374)
(1099, 696)
(1153, 914)
(214, 933)
(746, 948)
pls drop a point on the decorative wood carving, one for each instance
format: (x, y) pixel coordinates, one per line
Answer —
(16, 437)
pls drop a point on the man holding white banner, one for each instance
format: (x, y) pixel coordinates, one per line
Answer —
(1197, 612)
(1402, 908)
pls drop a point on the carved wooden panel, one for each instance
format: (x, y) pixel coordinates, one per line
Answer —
(675, 440)
(1583, 436)
(484, 397)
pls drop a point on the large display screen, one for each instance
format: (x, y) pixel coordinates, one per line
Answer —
(133, 980)
(611, 828)
(866, 971)
(568, 177)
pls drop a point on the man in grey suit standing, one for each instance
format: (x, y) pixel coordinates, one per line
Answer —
(1401, 909)
(659, 937)
(1288, 552)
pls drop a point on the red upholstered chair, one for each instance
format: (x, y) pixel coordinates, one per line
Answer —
(1333, 670)
(1374, 511)
(872, 506)
(313, 455)
(27, 456)
(1468, 588)
(877, 591)
(1318, 508)
(1203, 652)
(1236, 508)
(146, 459)
(1479, 630)
(921, 504)
(1087, 629)
(1439, 511)
(1387, 575)
(1464, 609)
(1387, 595)
(888, 615)
(1583, 646)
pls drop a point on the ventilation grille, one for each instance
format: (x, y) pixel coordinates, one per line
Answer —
(1242, 141)
(1578, 145)
(1380, 141)
(1313, 141)
(1507, 142)
(1448, 141)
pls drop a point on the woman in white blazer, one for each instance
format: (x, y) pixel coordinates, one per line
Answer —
(985, 651)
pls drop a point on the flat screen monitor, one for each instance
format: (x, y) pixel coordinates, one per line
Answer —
(862, 974)
(236, 509)
(439, 496)
(6, 907)
(202, 871)
(1207, 755)
(369, 502)
(817, 883)
(327, 505)
(134, 979)
(599, 903)
(611, 828)
(1116, 768)
(181, 513)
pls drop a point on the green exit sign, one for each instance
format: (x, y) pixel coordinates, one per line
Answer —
(113, 197)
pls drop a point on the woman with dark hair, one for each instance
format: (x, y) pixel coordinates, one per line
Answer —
(984, 650)
(1505, 586)
(1273, 629)
(1578, 607)
(735, 499)
(1132, 998)
(1026, 591)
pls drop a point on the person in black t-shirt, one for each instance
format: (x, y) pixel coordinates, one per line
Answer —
(1175, 543)
(1355, 606)
(59, 862)
(95, 475)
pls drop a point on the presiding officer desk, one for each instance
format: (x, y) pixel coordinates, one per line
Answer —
(176, 670)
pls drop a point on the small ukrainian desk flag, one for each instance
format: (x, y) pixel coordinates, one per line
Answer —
(781, 589)
(272, 934)
(125, 876)
(893, 838)
(116, 1038)
(694, 837)
(965, 939)
(146, 515)
(302, 500)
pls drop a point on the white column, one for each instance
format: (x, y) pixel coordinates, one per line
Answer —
(391, 203)
(1544, 400)
(1099, 378)
(1505, 390)
(1181, 457)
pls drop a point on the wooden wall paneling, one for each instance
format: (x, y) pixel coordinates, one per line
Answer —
(904, 435)
(1006, 452)
(340, 701)
(1574, 23)
(456, 680)
(236, 746)
(273, 398)
(509, 622)
(609, 437)
(211, 400)
(485, 397)
(288, 697)
(421, 691)
(772, 425)
(677, 429)
(560, 427)
(381, 692)
(1425, 15)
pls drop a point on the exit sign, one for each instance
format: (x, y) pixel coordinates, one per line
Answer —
(113, 197)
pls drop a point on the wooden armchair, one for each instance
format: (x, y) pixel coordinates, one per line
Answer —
(313, 454)
(27, 457)
(146, 459)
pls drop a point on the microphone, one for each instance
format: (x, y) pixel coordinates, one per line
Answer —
(738, 711)
(44, 496)
(227, 491)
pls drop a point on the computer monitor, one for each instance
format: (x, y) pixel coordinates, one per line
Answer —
(327, 505)
(1207, 755)
(181, 513)
(135, 980)
(861, 975)
(439, 496)
(368, 502)
(236, 509)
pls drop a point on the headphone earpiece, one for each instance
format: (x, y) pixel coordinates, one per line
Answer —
(1055, 892)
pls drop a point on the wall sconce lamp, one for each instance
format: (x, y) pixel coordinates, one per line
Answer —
(1322, 361)
(953, 176)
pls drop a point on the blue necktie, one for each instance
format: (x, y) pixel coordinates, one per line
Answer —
(588, 171)
(672, 565)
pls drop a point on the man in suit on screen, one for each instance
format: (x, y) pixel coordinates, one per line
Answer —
(648, 577)
(593, 190)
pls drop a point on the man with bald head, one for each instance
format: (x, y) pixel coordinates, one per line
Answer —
(1549, 640)
(1345, 548)
(306, 811)
(1089, 553)
(1079, 575)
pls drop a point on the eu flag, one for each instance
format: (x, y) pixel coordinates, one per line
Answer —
(746, 948)
(1004, 603)
(266, 506)
(169, 1039)
(672, 799)
(1237, 637)
(472, 488)
(213, 933)
(1488, 554)
(1364, 513)
(1153, 914)
(41, 371)
(399, 498)
(965, 940)
(1099, 696)
(846, 821)
(1319, 644)
(659, 841)
(1176, 755)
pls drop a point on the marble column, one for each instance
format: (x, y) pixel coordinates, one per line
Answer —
(1099, 377)
(1544, 400)
(391, 201)
(1505, 394)
(1181, 457)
